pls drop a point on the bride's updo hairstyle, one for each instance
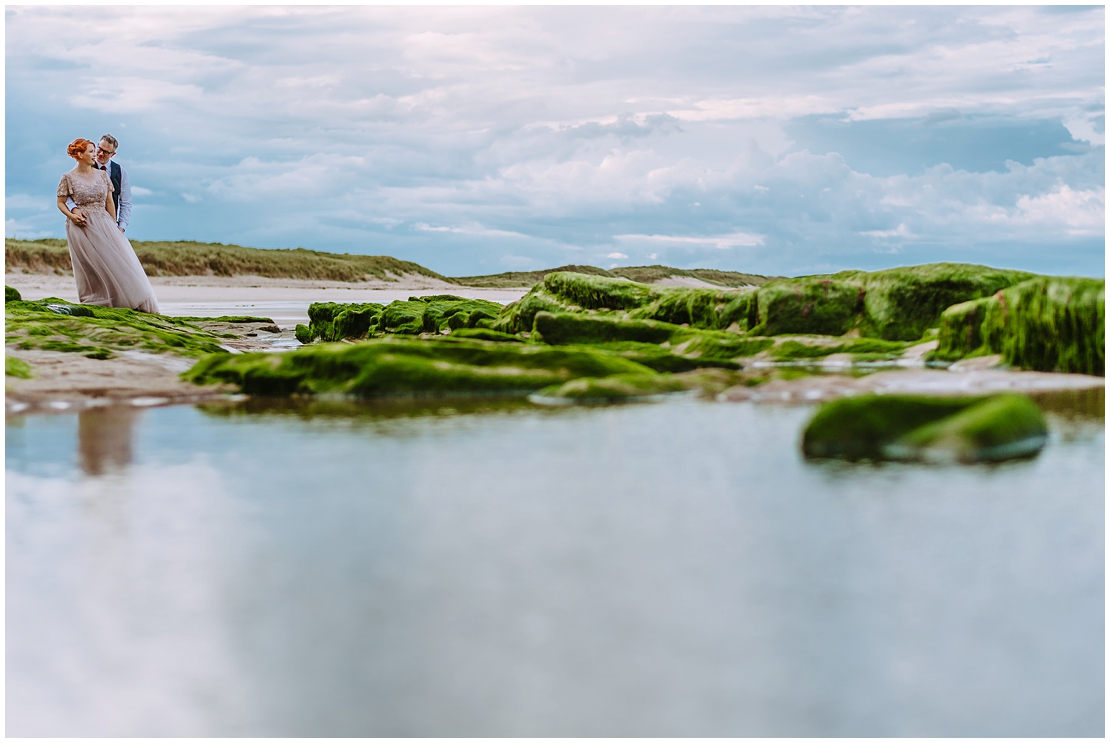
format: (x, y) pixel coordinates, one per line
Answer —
(78, 146)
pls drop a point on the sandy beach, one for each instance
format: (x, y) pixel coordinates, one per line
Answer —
(285, 301)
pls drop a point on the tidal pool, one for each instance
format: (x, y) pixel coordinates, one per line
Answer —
(489, 569)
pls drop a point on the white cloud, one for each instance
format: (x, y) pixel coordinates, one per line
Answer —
(616, 256)
(561, 129)
(719, 242)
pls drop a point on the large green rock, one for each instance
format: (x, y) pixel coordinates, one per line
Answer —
(1044, 324)
(331, 321)
(54, 324)
(911, 427)
(400, 366)
(11, 294)
(897, 304)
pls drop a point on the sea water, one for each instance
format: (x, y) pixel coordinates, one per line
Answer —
(462, 569)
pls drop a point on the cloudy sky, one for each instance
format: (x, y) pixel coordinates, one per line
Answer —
(772, 140)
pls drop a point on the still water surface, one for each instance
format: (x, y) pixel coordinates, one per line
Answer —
(669, 569)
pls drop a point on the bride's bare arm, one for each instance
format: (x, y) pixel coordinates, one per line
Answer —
(110, 205)
(76, 214)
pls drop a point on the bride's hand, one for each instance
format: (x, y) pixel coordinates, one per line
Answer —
(79, 217)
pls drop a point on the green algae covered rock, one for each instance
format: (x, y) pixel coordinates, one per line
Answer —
(710, 309)
(332, 321)
(897, 304)
(14, 367)
(1044, 324)
(605, 390)
(795, 349)
(54, 324)
(912, 427)
(566, 327)
(11, 294)
(485, 334)
(396, 366)
(816, 305)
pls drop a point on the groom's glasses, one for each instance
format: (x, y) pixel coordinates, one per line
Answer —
(106, 152)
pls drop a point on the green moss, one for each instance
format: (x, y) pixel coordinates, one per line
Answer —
(661, 359)
(1004, 427)
(915, 427)
(616, 388)
(14, 367)
(719, 344)
(53, 324)
(485, 334)
(815, 305)
(1044, 324)
(565, 328)
(394, 366)
(698, 308)
(790, 350)
(11, 294)
(902, 303)
(894, 304)
(334, 321)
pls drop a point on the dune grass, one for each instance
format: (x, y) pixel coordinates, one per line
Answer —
(186, 258)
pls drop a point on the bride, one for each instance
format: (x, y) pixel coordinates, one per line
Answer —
(105, 267)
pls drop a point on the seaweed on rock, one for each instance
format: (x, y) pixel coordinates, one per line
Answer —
(396, 366)
(604, 390)
(1044, 324)
(11, 294)
(964, 429)
(330, 321)
(898, 304)
(54, 324)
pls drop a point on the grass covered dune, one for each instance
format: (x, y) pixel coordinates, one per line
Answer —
(187, 258)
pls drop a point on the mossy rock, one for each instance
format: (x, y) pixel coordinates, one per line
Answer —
(14, 367)
(898, 304)
(485, 334)
(912, 427)
(334, 321)
(11, 294)
(821, 306)
(54, 324)
(566, 328)
(395, 366)
(864, 348)
(700, 308)
(607, 390)
(1044, 324)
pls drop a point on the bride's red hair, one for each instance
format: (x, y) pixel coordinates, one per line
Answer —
(78, 145)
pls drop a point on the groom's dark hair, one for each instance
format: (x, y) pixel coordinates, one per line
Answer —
(110, 140)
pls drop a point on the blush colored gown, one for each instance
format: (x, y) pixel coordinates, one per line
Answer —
(107, 271)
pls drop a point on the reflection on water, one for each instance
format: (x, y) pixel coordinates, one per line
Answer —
(452, 567)
(104, 438)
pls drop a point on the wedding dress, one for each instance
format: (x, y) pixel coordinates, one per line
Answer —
(107, 271)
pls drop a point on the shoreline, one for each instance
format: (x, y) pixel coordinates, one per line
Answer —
(69, 382)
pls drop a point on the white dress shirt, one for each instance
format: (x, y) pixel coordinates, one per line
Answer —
(123, 212)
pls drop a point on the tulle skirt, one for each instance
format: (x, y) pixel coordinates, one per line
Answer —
(107, 271)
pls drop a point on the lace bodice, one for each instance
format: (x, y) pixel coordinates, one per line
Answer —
(85, 194)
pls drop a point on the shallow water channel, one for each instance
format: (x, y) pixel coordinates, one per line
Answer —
(451, 569)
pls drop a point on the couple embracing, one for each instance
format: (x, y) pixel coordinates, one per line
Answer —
(96, 201)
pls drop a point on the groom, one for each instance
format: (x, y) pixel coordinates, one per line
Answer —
(121, 186)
